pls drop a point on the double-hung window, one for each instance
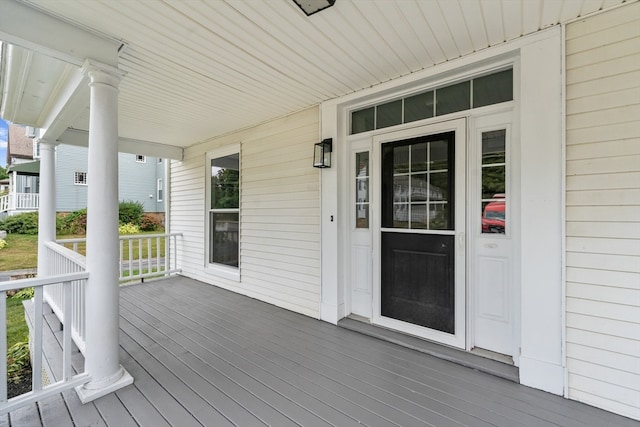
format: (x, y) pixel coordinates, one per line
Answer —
(224, 210)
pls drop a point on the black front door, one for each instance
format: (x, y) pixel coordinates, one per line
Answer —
(418, 233)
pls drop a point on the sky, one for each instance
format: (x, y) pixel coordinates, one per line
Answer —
(3, 142)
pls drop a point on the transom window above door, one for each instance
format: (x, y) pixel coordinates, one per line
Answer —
(474, 93)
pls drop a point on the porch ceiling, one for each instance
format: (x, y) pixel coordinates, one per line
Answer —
(200, 69)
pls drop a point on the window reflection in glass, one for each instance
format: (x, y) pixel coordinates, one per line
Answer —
(494, 201)
(421, 186)
(362, 190)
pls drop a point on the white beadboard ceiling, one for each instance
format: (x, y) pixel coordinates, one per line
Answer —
(197, 69)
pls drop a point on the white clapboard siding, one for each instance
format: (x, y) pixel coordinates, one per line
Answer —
(603, 210)
(279, 218)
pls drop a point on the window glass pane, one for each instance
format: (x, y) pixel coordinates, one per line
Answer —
(439, 186)
(419, 216)
(438, 155)
(418, 107)
(401, 189)
(401, 159)
(225, 182)
(453, 98)
(224, 238)
(439, 216)
(389, 114)
(493, 88)
(401, 215)
(362, 190)
(363, 120)
(419, 157)
(493, 147)
(362, 216)
(494, 181)
(362, 164)
(419, 188)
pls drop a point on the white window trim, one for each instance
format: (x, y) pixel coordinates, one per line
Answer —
(76, 181)
(222, 271)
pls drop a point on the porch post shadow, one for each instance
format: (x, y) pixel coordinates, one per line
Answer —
(102, 293)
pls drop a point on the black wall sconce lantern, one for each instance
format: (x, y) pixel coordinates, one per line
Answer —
(322, 153)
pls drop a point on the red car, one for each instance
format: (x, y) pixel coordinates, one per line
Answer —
(493, 219)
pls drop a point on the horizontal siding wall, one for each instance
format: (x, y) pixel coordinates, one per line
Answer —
(279, 216)
(603, 210)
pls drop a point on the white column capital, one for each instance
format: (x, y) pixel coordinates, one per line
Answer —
(102, 73)
(45, 143)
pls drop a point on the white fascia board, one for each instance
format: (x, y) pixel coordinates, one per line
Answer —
(73, 97)
(34, 30)
(126, 145)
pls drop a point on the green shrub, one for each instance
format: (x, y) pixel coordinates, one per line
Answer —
(149, 223)
(18, 361)
(130, 212)
(26, 223)
(26, 293)
(128, 229)
(73, 223)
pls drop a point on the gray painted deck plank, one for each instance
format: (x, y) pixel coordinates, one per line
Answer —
(114, 412)
(355, 366)
(381, 393)
(54, 413)
(198, 352)
(196, 405)
(166, 405)
(208, 350)
(82, 415)
(295, 412)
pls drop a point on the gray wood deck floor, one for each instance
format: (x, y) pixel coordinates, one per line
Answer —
(201, 355)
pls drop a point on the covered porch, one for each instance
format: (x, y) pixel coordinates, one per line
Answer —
(199, 358)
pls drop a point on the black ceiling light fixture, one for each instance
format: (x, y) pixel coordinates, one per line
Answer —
(309, 7)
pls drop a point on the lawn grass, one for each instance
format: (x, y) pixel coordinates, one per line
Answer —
(20, 253)
(17, 330)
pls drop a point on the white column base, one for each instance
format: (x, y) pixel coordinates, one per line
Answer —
(93, 390)
(331, 313)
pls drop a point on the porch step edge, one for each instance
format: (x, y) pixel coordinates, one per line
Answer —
(469, 360)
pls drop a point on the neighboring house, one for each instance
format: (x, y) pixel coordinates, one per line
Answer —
(435, 110)
(141, 178)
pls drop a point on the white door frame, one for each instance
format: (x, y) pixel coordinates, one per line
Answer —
(459, 126)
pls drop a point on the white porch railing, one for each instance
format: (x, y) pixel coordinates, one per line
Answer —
(14, 202)
(62, 260)
(68, 380)
(141, 256)
(4, 203)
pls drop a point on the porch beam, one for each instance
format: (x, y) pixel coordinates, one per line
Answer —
(80, 138)
(102, 302)
(32, 29)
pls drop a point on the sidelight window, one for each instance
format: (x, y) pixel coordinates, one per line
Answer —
(224, 210)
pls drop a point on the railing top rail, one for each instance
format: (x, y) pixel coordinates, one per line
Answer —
(75, 240)
(79, 259)
(138, 236)
(43, 281)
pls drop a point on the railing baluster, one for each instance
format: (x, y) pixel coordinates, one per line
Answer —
(121, 259)
(140, 257)
(36, 371)
(66, 333)
(130, 257)
(158, 252)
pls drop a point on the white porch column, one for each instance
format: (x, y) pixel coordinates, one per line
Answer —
(47, 208)
(102, 294)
